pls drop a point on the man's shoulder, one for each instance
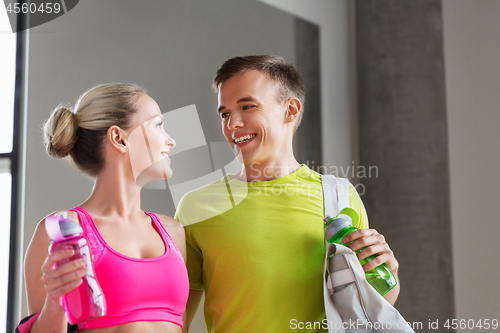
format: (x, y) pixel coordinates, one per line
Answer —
(204, 191)
(306, 174)
(209, 201)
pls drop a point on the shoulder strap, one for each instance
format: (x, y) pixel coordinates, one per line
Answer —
(164, 234)
(335, 194)
(90, 232)
(335, 198)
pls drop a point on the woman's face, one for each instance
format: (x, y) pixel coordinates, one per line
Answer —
(149, 144)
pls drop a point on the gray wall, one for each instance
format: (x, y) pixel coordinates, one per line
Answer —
(472, 68)
(402, 131)
(338, 92)
(171, 48)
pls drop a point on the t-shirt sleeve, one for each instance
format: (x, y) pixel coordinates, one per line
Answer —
(194, 262)
(194, 256)
(359, 207)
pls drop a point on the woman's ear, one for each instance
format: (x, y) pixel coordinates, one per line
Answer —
(117, 138)
(293, 109)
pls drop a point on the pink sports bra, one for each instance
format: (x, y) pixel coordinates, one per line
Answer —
(150, 289)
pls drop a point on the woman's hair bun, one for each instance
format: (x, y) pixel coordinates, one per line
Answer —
(60, 132)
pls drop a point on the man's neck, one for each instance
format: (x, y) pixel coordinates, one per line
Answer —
(259, 172)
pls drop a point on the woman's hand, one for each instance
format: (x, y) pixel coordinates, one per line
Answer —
(61, 279)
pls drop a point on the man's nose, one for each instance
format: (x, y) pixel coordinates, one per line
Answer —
(235, 121)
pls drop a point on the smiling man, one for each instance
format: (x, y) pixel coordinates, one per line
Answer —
(260, 262)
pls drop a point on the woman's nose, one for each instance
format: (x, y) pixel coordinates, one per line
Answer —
(170, 142)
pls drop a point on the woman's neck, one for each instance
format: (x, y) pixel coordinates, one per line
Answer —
(114, 193)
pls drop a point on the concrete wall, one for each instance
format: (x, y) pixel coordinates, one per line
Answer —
(172, 48)
(472, 68)
(403, 131)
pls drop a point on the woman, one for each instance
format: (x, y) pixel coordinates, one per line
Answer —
(115, 134)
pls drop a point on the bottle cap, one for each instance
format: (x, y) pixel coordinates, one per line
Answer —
(59, 227)
(69, 227)
(328, 218)
(335, 226)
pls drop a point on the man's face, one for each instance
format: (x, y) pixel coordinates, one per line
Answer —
(253, 121)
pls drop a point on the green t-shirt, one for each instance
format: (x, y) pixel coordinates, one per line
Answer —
(258, 252)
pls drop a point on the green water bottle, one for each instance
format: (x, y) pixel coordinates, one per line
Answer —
(336, 228)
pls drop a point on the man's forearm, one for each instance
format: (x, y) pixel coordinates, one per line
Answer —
(393, 294)
(191, 308)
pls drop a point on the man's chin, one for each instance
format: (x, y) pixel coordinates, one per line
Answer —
(237, 153)
(246, 156)
(243, 158)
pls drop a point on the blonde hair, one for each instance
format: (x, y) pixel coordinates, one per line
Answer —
(79, 132)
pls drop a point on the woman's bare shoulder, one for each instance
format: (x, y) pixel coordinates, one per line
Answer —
(169, 222)
(40, 231)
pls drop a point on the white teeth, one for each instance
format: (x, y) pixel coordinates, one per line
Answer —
(244, 138)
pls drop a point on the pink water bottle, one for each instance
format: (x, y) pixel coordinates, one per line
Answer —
(87, 300)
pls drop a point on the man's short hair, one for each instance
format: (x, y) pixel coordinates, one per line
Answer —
(286, 75)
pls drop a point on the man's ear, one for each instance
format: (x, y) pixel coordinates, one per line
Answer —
(293, 109)
(117, 138)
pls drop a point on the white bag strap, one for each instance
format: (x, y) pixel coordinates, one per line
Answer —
(335, 194)
(343, 193)
(330, 198)
(332, 315)
(335, 198)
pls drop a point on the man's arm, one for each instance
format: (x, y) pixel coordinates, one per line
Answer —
(191, 308)
(393, 294)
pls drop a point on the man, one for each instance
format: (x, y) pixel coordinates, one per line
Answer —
(260, 261)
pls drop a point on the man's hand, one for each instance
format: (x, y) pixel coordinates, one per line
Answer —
(374, 243)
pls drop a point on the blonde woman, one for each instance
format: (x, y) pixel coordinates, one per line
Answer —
(138, 257)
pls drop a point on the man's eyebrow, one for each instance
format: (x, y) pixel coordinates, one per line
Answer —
(247, 99)
(243, 99)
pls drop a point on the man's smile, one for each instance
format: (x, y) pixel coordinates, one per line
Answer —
(244, 138)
